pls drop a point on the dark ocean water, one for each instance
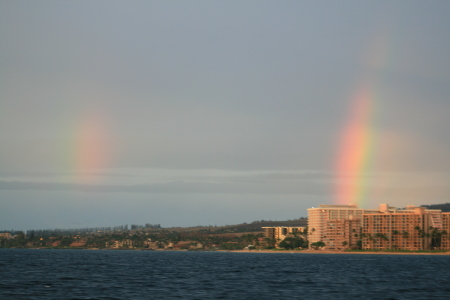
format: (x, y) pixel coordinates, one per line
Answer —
(106, 274)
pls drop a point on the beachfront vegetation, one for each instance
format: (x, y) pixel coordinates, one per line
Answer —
(136, 238)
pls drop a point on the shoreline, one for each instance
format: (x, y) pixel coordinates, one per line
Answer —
(258, 251)
(338, 252)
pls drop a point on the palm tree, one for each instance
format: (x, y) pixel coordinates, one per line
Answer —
(436, 237)
(381, 237)
(370, 238)
(395, 233)
(405, 234)
(423, 235)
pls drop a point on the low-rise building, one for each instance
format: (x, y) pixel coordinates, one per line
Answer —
(6, 235)
(281, 232)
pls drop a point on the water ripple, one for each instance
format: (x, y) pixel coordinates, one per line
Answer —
(80, 274)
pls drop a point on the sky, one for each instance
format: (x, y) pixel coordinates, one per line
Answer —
(186, 113)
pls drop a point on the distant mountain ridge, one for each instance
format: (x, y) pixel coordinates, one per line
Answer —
(445, 207)
(258, 224)
(255, 226)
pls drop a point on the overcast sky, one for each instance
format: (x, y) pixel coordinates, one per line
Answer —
(217, 112)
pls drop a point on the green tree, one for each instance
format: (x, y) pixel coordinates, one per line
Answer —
(66, 241)
(270, 243)
(230, 246)
(359, 244)
(291, 243)
(318, 244)
(305, 244)
(20, 240)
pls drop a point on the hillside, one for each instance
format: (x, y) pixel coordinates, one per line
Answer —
(257, 225)
(445, 207)
(245, 227)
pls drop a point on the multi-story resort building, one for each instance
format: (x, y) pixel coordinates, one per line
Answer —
(445, 241)
(341, 227)
(413, 228)
(325, 224)
(342, 234)
(280, 233)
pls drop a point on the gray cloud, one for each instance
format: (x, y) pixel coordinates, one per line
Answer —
(256, 187)
(251, 87)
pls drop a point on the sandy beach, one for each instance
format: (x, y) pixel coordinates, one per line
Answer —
(340, 252)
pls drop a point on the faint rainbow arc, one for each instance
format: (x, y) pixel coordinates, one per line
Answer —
(89, 149)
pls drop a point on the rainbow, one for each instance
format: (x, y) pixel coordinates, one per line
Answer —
(355, 151)
(355, 154)
(89, 149)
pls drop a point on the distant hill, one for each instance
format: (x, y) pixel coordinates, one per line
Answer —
(445, 207)
(245, 227)
(256, 226)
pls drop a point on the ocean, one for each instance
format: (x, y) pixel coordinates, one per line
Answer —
(117, 274)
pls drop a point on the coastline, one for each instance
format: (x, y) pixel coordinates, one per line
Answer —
(254, 251)
(338, 252)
